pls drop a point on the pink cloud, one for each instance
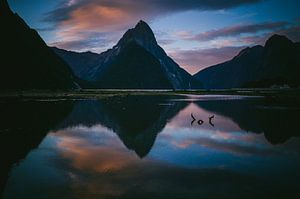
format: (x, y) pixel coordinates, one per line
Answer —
(196, 60)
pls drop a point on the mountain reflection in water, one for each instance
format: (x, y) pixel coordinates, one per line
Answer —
(142, 146)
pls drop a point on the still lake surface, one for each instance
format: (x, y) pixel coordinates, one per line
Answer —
(145, 146)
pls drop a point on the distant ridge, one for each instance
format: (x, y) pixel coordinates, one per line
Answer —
(275, 64)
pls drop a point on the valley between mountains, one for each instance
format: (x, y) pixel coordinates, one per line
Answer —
(135, 62)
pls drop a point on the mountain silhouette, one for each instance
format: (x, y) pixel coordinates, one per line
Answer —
(137, 120)
(136, 61)
(277, 63)
(26, 61)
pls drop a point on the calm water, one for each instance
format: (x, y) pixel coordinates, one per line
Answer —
(148, 147)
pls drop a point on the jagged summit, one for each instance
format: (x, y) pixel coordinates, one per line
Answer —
(136, 62)
(141, 34)
(142, 25)
(278, 40)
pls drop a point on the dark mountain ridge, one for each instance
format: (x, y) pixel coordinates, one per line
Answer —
(136, 61)
(26, 61)
(276, 63)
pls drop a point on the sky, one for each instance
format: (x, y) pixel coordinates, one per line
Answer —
(195, 33)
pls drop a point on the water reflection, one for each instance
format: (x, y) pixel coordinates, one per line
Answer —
(278, 122)
(145, 147)
(136, 119)
(23, 126)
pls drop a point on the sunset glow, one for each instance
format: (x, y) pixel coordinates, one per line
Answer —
(205, 32)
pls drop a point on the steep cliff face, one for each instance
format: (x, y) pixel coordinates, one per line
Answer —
(136, 61)
(26, 61)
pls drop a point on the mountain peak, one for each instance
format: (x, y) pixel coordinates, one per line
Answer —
(141, 34)
(278, 40)
(142, 24)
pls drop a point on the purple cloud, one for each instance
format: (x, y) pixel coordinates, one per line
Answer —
(196, 60)
(76, 16)
(237, 30)
(292, 32)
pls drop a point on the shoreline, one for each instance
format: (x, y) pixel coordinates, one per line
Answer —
(101, 93)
